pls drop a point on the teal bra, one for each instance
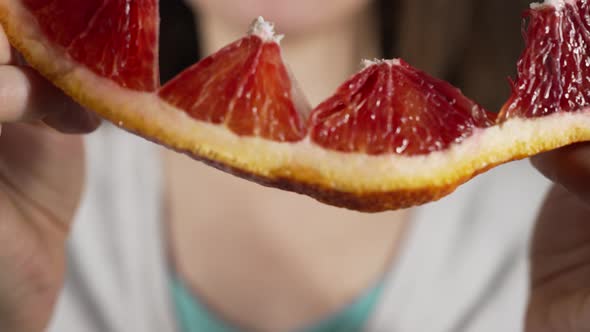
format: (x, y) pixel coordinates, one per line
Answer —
(194, 316)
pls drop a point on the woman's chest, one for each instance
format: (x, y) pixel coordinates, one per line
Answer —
(234, 240)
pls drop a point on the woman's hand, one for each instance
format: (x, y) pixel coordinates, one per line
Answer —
(41, 176)
(560, 254)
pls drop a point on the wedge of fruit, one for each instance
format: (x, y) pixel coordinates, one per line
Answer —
(391, 137)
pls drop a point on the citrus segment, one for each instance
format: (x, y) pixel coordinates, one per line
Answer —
(245, 87)
(52, 14)
(554, 70)
(390, 107)
(116, 39)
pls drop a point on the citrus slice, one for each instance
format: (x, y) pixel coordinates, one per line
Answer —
(390, 137)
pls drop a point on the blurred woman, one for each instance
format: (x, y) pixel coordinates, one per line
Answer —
(163, 243)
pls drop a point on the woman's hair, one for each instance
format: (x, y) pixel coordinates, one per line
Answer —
(474, 44)
(179, 48)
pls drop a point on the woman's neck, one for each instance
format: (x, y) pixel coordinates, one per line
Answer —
(321, 60)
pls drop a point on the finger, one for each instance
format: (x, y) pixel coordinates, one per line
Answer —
(5, 48)
(7, 53)
(558, 269)
(569, 166)
(73, 121)
(25, 96)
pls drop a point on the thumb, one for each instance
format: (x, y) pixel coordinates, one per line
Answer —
(560, 252)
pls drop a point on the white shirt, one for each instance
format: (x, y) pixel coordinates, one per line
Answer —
(463, 266)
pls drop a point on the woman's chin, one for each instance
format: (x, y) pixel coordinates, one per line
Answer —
(290, 16)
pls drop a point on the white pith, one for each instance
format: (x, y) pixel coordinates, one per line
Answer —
(558, 4)
(368, 63)
(351, 172)
(265, 30)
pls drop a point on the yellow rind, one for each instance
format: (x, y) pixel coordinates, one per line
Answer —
(351, 180)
